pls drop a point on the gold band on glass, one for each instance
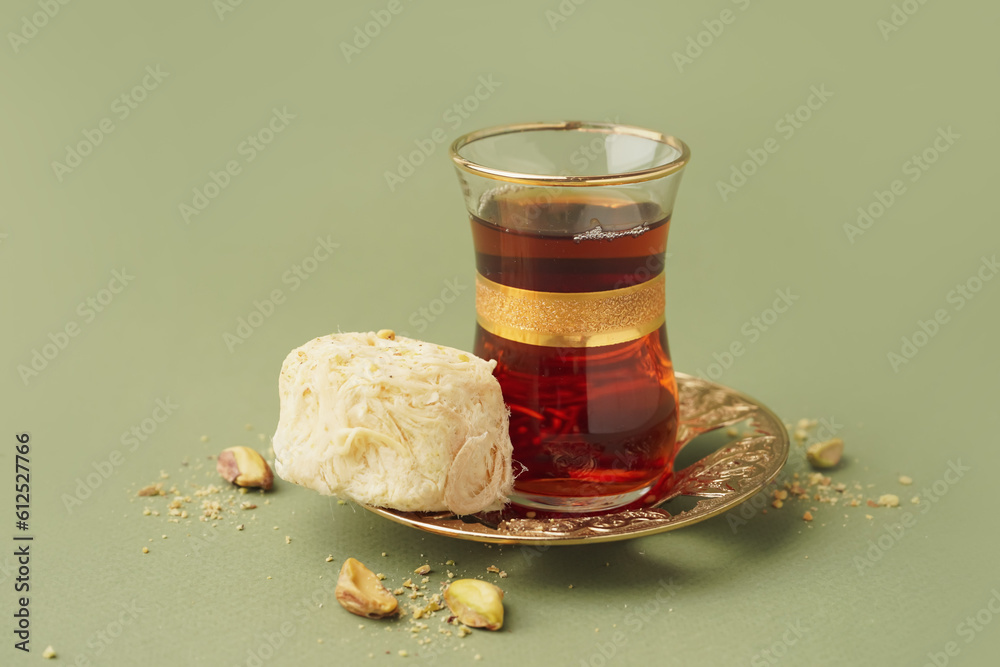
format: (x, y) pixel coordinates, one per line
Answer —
(570, 319)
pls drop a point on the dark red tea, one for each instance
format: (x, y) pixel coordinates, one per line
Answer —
(586, 422)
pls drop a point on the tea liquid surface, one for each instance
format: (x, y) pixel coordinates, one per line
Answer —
(586, 422)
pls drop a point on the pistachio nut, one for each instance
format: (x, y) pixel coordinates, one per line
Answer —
(244, 467)
(476, 603)
(360, 592)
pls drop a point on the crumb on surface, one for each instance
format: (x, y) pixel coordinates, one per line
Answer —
(888, 500)
(49, 652)
(905, 480)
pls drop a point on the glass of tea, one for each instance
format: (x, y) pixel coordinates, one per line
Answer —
(569, 222)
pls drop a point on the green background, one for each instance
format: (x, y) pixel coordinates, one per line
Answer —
(773, 584)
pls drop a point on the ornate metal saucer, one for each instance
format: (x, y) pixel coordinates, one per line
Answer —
(719, 482)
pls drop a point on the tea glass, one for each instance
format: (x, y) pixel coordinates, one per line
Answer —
(569, 224)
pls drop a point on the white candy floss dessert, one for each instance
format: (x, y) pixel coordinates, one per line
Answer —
(394, 422)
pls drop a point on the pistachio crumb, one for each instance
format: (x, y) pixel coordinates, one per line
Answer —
(888, 500)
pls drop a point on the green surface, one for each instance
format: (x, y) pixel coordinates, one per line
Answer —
(774, 584)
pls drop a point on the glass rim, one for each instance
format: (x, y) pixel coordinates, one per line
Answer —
(621, 178)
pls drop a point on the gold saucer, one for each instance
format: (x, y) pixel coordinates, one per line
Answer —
(720, 481)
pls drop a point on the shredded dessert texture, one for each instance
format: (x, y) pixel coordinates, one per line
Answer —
(394, 422)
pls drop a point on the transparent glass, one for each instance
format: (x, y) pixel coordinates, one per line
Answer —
(569, 224)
